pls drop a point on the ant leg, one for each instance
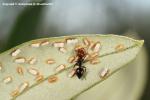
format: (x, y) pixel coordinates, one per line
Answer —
(85, 73)
(76, 64)
(84, 68)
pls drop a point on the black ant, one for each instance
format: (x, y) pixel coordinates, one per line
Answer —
(80, 71)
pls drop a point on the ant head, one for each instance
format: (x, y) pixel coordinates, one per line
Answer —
(81, 52)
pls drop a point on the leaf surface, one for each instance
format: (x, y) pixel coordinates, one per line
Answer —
(115, 52)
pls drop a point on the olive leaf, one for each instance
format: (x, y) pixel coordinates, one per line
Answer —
(42, 69)
(126, 84)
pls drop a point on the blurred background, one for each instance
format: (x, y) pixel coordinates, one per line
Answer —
(19, 24)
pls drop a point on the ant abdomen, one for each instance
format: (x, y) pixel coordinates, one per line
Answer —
(79, 72)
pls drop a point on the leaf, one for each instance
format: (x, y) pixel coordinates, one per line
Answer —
(115, 52)
(126, 84)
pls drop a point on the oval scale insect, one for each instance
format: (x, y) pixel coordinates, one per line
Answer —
(80, 70)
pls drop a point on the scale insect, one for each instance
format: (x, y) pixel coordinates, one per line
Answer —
(80, 70)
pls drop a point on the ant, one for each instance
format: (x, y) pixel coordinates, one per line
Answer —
(80, 71)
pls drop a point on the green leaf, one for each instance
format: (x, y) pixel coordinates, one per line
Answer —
(126, 84)
(115, 52)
